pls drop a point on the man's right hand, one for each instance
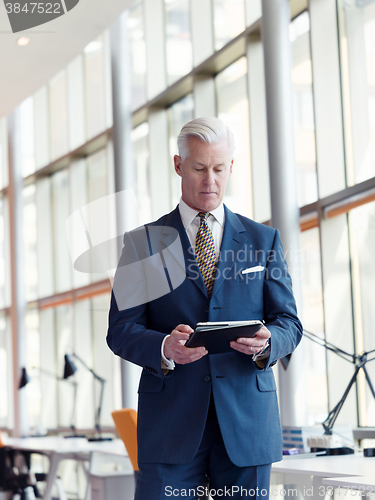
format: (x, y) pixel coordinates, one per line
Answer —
(174, 346)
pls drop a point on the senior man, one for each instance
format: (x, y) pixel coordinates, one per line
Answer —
(199, 413)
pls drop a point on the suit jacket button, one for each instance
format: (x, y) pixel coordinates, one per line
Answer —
(207, 310)
(207, 378)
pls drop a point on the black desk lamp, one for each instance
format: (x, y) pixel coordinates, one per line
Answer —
(358, 360)
(69, 369)
(25, 379)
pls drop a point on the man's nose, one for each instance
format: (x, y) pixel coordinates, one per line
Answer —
(209, 178)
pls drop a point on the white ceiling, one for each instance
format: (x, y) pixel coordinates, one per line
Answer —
(23, 70)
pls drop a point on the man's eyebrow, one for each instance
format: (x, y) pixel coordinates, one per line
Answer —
(204, 165)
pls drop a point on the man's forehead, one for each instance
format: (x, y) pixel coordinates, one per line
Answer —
(199, 150)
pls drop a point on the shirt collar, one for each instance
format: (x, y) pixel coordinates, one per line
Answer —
(188, 214)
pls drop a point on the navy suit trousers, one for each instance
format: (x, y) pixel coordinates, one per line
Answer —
(163, 481)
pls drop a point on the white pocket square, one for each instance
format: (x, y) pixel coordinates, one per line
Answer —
(252, 269)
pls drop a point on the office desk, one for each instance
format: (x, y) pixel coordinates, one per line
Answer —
(361, 483)
(310, 473)
(58, 449)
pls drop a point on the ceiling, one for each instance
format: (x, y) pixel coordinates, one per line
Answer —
(23, 70)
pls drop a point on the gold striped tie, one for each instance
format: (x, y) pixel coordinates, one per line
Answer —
(205, 252)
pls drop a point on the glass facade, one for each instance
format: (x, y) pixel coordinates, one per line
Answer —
(233, 109)
(229, 20)
(304, 122)
(180, 113)
(138, 54)
(178, 39)
(357, 42)
(67, 309)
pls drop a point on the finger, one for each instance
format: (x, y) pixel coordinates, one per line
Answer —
(241, 348)
(192, 351)
(183, 358)
(187, 352)
(183, 328)
(176, 336)
(263, 333)
(245, 348)
(251, 342)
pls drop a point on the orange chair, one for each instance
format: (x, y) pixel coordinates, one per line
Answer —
(126, 425)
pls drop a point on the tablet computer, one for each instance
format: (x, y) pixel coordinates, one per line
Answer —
(216, 336)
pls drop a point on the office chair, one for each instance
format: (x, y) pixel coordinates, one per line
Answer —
(15, 473)
(126, 425)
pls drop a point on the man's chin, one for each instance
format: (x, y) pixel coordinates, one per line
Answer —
(209, 203)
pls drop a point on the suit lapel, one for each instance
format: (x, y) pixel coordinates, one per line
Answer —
(234, 239)
(188, 262)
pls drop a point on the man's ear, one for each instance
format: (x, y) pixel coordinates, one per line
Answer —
(230, 168)
(177, 164)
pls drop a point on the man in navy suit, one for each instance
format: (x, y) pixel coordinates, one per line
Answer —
(198, 413)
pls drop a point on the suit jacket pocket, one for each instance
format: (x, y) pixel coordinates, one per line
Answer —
(266, 381)
(150, 383)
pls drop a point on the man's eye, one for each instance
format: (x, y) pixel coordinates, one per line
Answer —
(199, 169)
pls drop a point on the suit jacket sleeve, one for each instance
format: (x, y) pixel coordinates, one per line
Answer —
(280, 312)
(128, 335)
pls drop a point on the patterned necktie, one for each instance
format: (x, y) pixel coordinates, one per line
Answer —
(205, 252)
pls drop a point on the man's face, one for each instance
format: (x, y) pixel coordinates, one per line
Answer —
(204, 173)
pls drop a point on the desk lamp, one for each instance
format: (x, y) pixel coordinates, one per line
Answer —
(69, 369)
(25, 379)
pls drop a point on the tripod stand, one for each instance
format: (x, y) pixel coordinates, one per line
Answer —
(358, 360)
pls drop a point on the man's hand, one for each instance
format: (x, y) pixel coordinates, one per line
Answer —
(252, 345)
(175, 349)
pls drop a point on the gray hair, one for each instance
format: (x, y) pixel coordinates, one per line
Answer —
(208, 129)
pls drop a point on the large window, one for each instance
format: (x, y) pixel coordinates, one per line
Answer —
(4, 255)
(138, 54)
(58, 115)
(97, 86)
(30, 242)
(362, 232)
(180, 113)
(139, 138)
(313, 321)
(27, 134)
(357, 44)
(179, 48)
(5, 373)
(233, 109)
(229, 20)
(304, 126)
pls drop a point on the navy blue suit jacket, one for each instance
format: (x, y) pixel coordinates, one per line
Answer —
(173, 407)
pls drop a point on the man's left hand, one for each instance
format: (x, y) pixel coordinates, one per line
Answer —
(253, 345)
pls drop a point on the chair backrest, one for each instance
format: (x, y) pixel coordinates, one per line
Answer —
(126, 425)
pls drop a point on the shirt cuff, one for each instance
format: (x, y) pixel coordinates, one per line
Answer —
(263, 354)
(166, 364)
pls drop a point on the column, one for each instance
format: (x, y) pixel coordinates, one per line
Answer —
(18, 294)
(123, 163)
(283, 182)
